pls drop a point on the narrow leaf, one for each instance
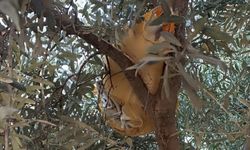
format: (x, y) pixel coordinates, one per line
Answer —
(157, 21)
(6, 111)
(5, 79)
(192, 82)
(171, 38)
(199, 24)
(7, 8)
(210, 60)
(157, 48)
(175, 19)
(166, 88)
(217, 34)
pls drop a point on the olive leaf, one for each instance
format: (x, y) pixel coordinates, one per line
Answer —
(10, 9)
(171, 38)
(216, 34)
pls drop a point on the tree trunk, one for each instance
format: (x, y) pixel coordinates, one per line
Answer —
(164, 109)
(165, 119)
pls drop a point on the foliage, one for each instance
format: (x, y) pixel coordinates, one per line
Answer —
(47, 92)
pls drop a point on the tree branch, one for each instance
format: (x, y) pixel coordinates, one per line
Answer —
(77, 28)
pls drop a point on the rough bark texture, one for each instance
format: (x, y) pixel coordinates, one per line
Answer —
(165, 119)
(162, 110)
(165, 108)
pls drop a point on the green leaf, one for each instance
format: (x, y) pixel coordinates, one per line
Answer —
(196, 102)
(35, 65)
(210, 45)
(24, 137)
(10, 10)
(156, 48)
(157, 21)
(5, 98)
(175, 19)
(15, 141)
(199, 24)
(216, 34)
(225, 46)
(85, 8)
(6, 111)
(68, 56)
(5, 78)
(52, 68)
(22, 101)
(171, 38)
(165, 6)
(97, 5)
(33, 88)
(43, 81)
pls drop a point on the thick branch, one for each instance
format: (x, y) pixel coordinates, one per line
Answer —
(78, 28)
(165, 108)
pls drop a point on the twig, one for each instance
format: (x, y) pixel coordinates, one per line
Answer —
(6, 137)
(85, 62)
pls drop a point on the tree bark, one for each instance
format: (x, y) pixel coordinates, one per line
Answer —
(164, 112)
(165, 118)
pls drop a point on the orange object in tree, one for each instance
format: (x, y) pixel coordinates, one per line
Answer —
(158, 11)
(121, 107)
